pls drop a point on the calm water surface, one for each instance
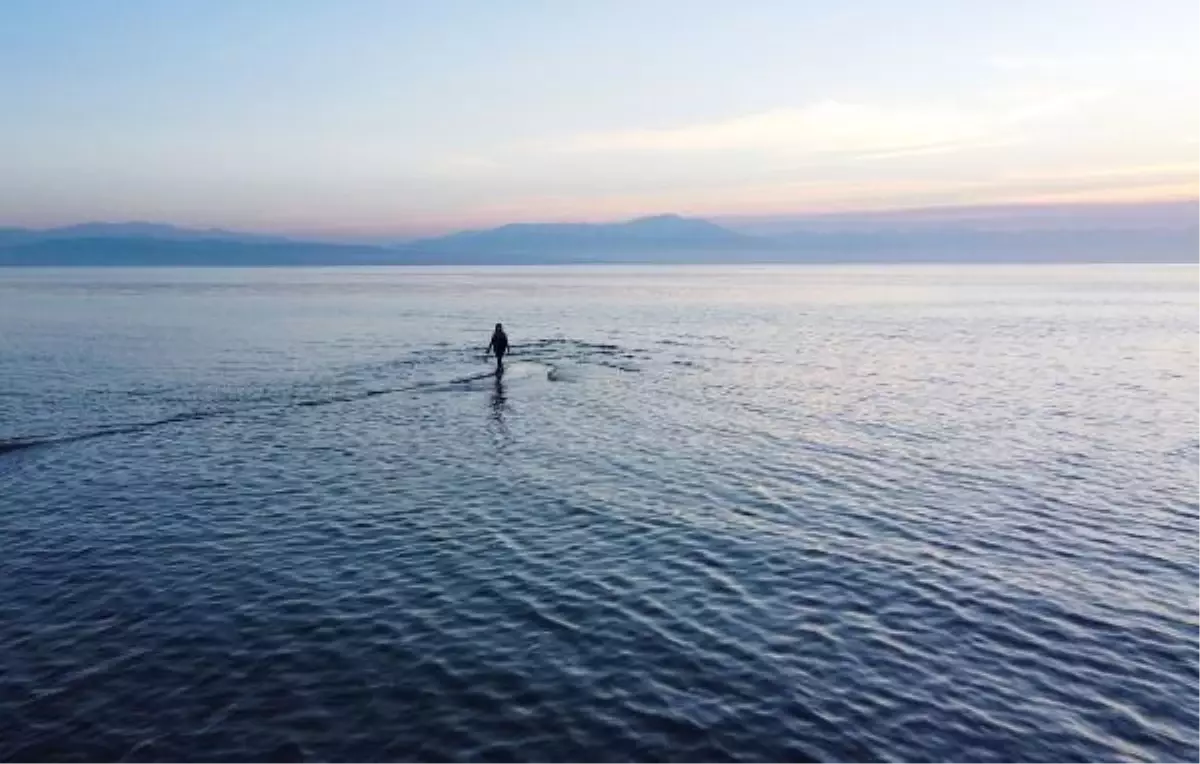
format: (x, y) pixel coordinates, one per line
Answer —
(708, 514)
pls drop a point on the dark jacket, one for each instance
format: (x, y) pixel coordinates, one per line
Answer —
(499, 343)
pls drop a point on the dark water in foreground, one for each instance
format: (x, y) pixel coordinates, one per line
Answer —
(709, 514)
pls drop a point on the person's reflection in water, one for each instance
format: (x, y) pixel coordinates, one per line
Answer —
(498, 401)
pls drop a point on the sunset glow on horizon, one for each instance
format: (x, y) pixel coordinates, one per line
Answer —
(393, 118)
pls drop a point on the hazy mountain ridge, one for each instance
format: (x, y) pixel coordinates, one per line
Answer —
(129, 230)
(654, 232)
(971, 245)
(657, 239)
(134, 251)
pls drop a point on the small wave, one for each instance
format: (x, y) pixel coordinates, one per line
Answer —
(526, 359)
(472, 378)
(20, 444)
(620, 367)
(27, 442)
(557, 373)
(12, 445)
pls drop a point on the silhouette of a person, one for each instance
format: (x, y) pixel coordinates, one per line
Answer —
(498, 345)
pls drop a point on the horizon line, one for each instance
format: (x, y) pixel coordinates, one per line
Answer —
(899, 214)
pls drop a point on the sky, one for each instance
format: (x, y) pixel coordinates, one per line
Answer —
(389, 117)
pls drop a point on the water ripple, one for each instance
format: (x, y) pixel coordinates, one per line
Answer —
(803, 529)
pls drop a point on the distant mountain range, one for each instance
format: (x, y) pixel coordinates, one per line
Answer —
(658, 239)
(641, 234)
(131, 230)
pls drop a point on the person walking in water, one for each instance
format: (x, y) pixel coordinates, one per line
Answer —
(499, 345)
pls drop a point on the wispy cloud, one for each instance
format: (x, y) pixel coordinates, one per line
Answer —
(842, 128)
(463, 166)
(1161, 173)
(1116, 185)
(1025, 63)
(827, 126)
(1028, 63)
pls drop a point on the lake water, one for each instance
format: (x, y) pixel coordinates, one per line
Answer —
(707, 514)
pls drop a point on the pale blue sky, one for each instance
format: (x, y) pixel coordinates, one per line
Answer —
(397, 117)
